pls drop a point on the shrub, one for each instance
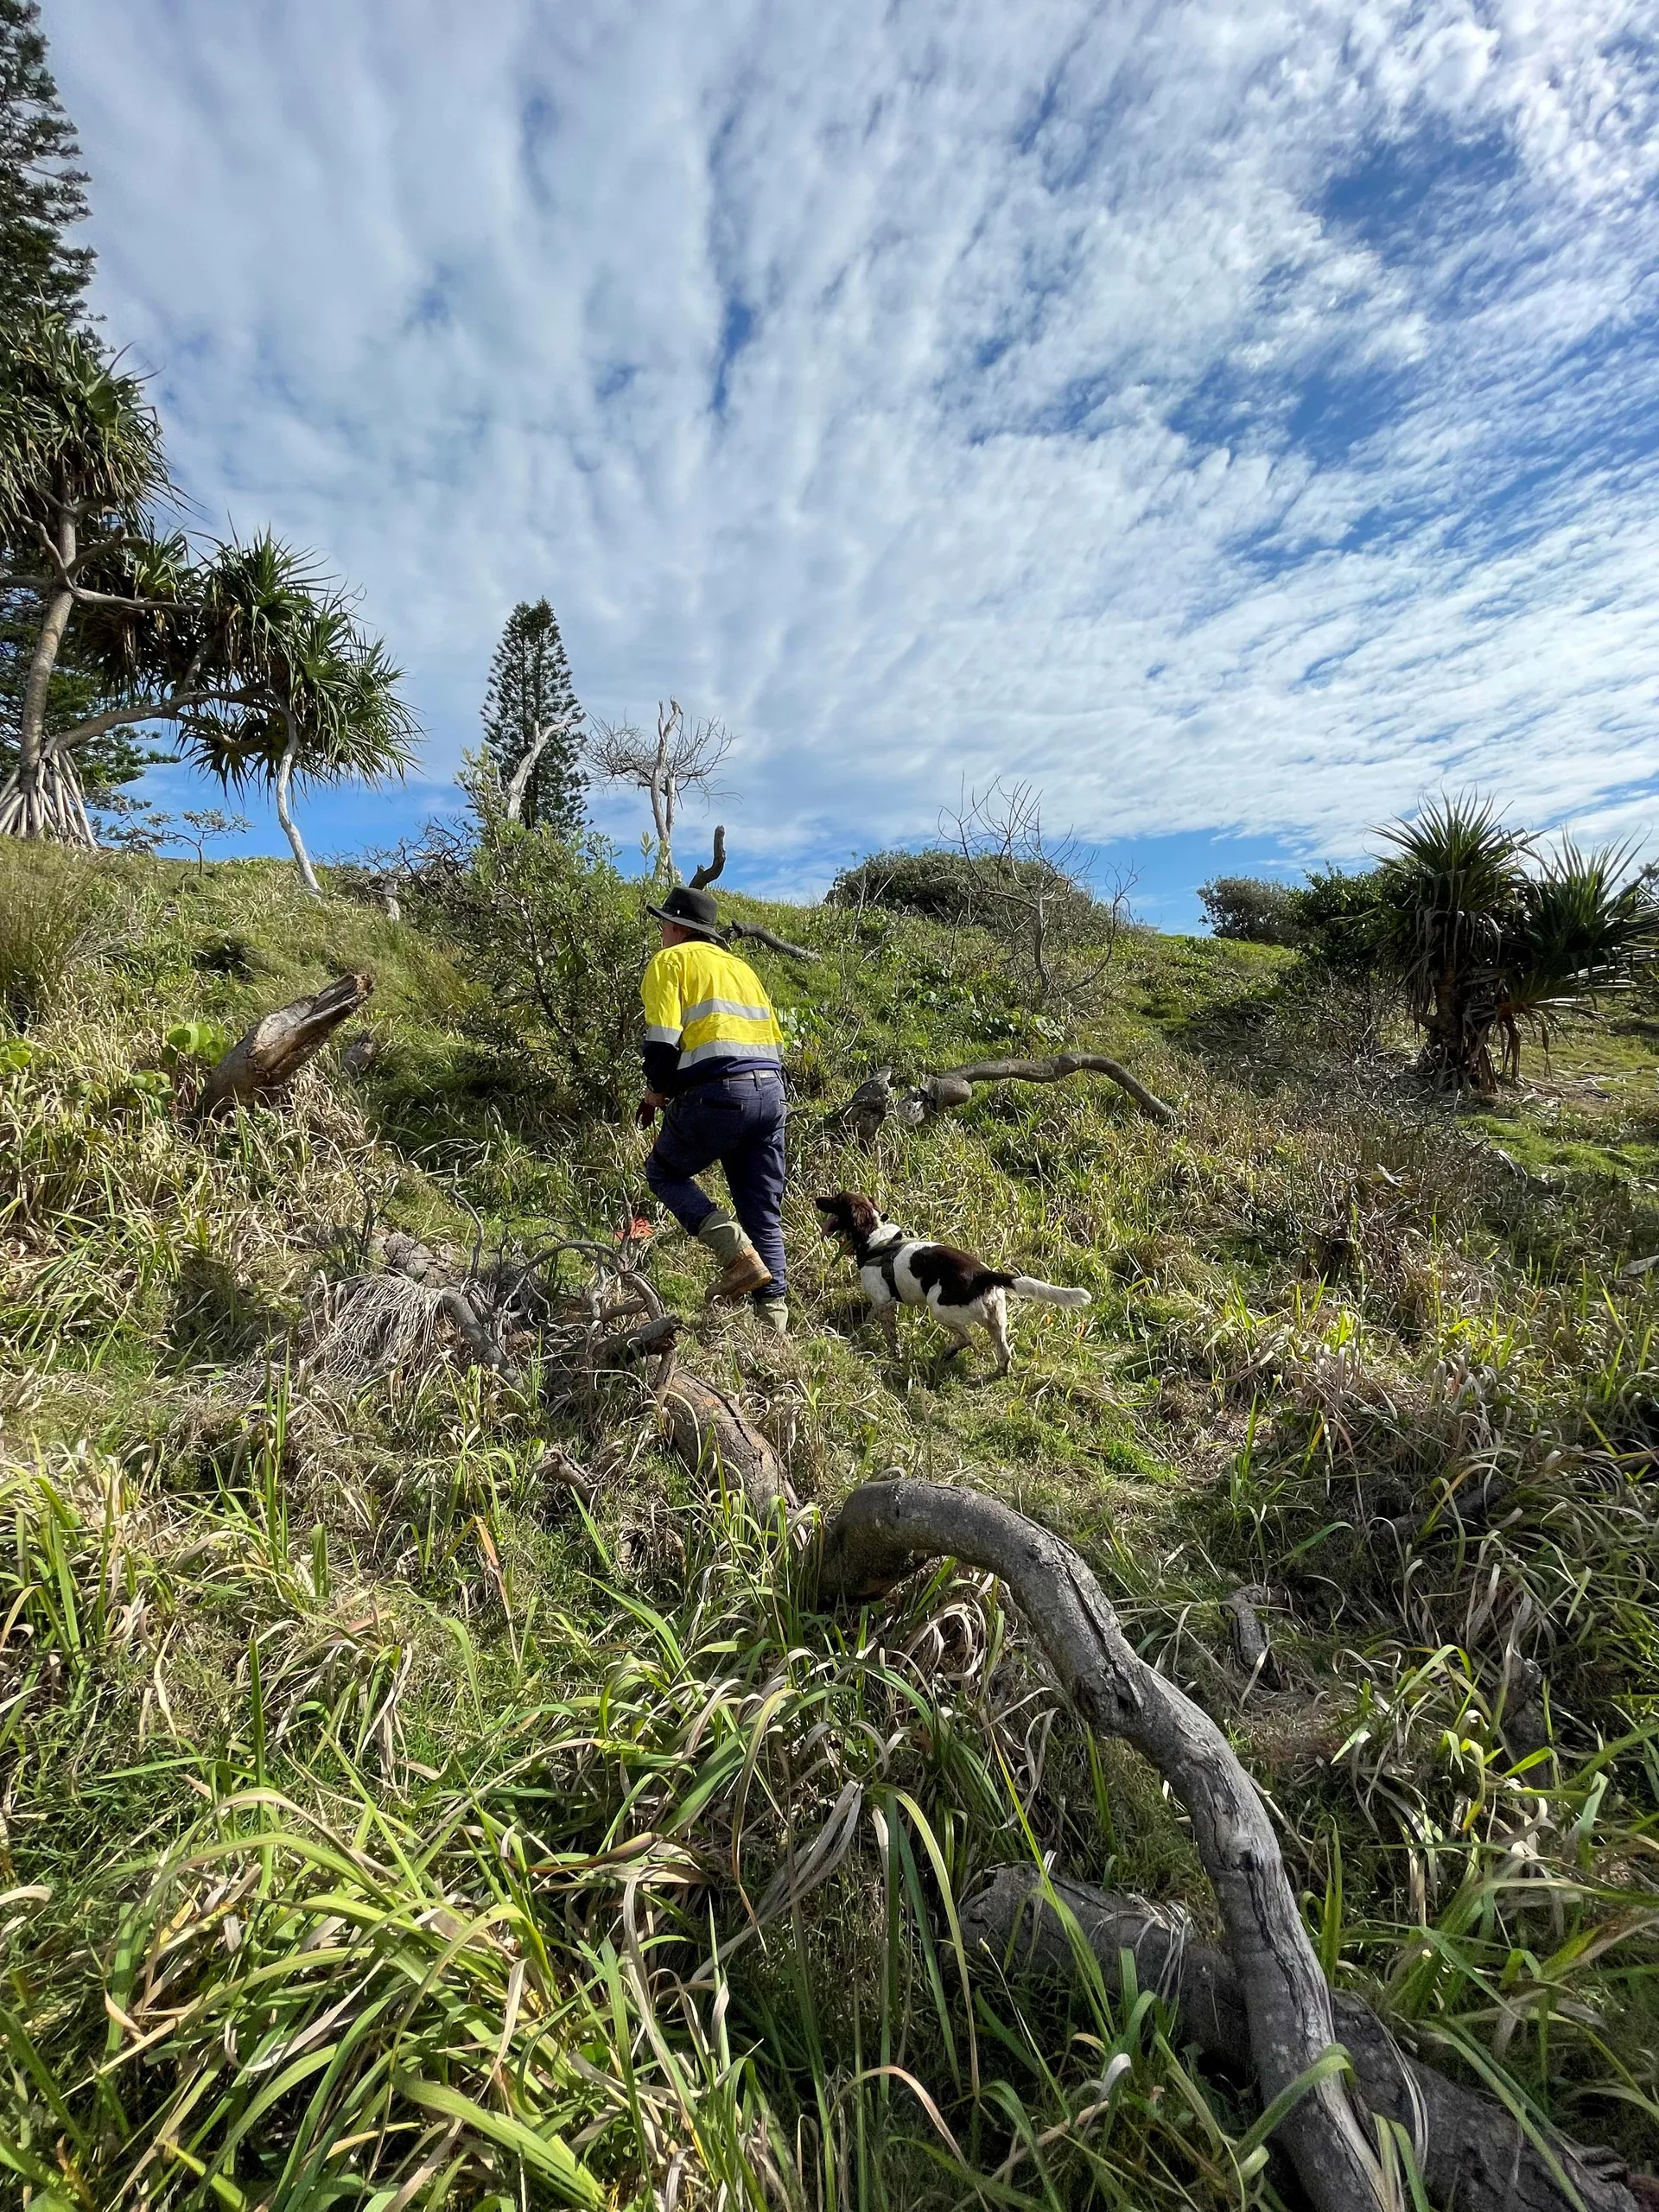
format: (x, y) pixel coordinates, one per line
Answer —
(1337, 919)
(1252, 908)
(551, 937)
(937, 882)
(48, 899)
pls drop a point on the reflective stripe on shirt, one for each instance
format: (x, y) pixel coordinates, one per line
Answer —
(730, 1048)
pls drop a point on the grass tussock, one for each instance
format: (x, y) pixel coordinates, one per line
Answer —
(419, 1791)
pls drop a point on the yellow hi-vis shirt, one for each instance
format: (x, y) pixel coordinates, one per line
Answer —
(711, 1006)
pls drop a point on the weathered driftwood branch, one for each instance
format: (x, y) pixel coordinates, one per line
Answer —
(1473, 2156)
(885, 1529)
(756, 935)
(278, 1046)
(712, 867)
(705, 1426)
(481, 1346)
(937, 1094)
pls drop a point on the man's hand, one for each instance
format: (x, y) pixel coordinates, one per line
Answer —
(649, 1105)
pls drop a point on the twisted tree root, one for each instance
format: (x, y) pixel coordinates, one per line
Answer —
(1472, 2155)
(885, 1529)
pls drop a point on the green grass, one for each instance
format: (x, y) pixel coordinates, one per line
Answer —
(388, 1819)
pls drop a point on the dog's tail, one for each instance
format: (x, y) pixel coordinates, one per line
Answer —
(1048, 1293)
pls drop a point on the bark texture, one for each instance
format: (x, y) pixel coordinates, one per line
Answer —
(707, 1426)
(885, 1529)
(1474, 2158)
(278, 1046)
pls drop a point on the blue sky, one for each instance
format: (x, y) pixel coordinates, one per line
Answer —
(1238, 419)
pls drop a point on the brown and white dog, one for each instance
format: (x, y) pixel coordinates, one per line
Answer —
(955, 1287)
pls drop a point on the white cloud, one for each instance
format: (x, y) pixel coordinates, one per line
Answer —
(1235, 417)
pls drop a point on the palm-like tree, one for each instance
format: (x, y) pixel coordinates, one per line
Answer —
(1488, 935)
(256, 657)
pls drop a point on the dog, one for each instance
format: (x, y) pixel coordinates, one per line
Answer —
(956, 1288)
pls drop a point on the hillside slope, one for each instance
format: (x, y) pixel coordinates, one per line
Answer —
(419, 1790)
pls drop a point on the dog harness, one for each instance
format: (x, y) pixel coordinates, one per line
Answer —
(886, 1256)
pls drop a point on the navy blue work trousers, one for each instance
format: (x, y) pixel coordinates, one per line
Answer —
(737, 1120)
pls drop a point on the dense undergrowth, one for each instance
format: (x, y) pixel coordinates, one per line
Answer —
(410, 1795)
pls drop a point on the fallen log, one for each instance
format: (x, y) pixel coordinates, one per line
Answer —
(1473, 2156)
(886, 1529)
(705, 1426)
(937, 1094)
(278, 1046)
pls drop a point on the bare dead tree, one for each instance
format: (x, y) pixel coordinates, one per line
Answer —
(683, 756)
(1027, 890)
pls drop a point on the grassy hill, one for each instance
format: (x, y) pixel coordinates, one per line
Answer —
(416, 1791)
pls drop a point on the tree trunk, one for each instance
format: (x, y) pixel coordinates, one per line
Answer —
(284, 814)
(42, 797)
(886, 1529)
(1474, 2157)
(277, 1047)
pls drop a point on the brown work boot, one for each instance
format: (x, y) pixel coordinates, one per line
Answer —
(743, 1269)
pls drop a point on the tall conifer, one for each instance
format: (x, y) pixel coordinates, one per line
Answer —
(530, 690)
(41, 189)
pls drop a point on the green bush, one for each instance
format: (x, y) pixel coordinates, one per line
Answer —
(1338, 919)
(945, 884)
(1253, 909)
(48, 899)
(552, 939)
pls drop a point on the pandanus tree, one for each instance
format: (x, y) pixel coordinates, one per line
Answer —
(256, 659)
(1490, 934)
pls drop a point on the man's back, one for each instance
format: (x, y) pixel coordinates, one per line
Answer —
(710, 1006)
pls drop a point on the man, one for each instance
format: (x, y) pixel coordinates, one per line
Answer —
(713, 1059)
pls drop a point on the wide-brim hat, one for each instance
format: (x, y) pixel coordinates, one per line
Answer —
(690, 909)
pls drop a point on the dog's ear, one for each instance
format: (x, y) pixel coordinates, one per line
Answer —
(826, 1204)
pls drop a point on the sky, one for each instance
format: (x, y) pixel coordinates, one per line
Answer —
(1238, 420)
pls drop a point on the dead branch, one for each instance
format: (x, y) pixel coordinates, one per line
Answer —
(886, 1529)
(707, 1427)
(559, 726)
(715, 865)
(937, 1094)
(480, 1345)
(869, 1107)
(279, 1045)
(710, 871)
(1473, 2156)
(875, 1099)
(759, 936)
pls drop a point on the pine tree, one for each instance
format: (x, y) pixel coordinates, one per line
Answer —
(41, 195)
(529, 693)
(41, 189)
